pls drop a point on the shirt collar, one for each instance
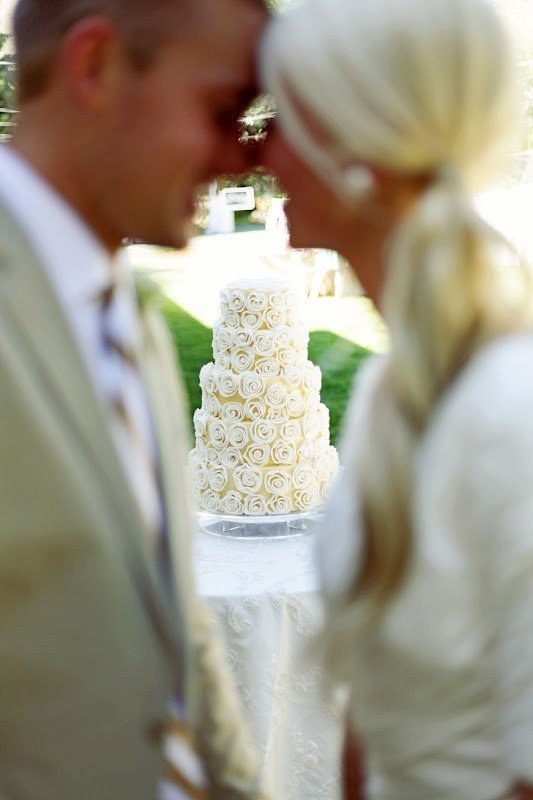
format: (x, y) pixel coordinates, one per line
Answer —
(76, 261)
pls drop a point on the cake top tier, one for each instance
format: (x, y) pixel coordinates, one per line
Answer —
(255, 303)
(263, 284)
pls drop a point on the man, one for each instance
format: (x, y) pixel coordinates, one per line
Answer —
(125, 107)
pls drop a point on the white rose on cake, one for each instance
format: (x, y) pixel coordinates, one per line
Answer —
(221, 339)
(323, 413)
(212, 455)
(256, 301)
(247, 478)
(197, 496)
(217, 477)
(227, 384)
(279, 504)
(277, 481)
(255, 408)
(311, 378)
(333, 460)
(232, 503)
(237, 434)
(301, 358)
(278, 414)
(300, 337)
(207, 381)
(252, 320)
(312, 400)
(257, 453)
(232, 319)
(291, 300)
(295, 403)
(242, 359)
(321, 445)
(276, 300)
(232, 412)
(268, 367)
(311, 425)
(291, 431)
(213, 406)
(200, 423)
(240, 337)
(292, 317)
(250, 384)
(263, 430)
(223, 361)
(302, 477)
(306, 499)
(287, 356)
(323, 467)
(255, 505)
(231, 457)
(265, 343)
(198, 471)
(293, 375)
(283, 453)
(235, 300)
(276, 395)
(306, 452)
(217, 434)
(275, 317)
(283, 336)
(210, 501)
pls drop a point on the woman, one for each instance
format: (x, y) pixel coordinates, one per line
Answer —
(389, 110)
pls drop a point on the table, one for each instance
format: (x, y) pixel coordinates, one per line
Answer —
(264, 596)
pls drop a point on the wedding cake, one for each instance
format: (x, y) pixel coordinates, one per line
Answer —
(262, 434)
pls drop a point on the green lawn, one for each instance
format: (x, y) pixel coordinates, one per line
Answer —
(338, 359)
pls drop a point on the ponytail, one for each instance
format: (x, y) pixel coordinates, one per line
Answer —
(447, 293)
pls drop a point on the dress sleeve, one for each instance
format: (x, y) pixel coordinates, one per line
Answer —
(511, 586)
(495, 514)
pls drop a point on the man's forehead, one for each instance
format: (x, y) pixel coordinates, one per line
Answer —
(227, 54)
(232, 23)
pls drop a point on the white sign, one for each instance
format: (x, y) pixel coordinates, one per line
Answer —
(241, 198)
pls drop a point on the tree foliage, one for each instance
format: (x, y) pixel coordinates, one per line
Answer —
(7, 85)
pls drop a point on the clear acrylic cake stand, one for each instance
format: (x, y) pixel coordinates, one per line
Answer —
(273, 526)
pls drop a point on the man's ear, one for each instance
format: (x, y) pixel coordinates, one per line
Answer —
(89, 60)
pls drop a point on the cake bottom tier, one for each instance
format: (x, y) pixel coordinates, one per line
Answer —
(250, 490)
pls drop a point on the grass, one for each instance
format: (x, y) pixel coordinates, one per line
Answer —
(338, 358)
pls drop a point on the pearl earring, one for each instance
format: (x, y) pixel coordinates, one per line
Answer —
(359, 182)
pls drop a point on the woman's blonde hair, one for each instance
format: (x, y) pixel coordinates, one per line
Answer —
(421, 87)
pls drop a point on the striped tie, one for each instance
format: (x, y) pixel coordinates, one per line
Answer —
(128, 400)
(185, 779)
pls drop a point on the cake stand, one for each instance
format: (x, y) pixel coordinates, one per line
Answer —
(273, 526)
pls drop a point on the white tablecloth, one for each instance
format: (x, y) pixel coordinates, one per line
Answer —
(264, 595)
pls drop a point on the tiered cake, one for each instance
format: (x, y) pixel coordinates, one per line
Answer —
(262, 434)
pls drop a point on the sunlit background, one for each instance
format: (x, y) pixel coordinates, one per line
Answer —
(344, 325)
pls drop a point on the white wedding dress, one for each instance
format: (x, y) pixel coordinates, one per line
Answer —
(442, 693)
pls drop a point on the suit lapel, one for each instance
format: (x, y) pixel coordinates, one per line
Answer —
(30, 305)
(31, 313)
(158, 364)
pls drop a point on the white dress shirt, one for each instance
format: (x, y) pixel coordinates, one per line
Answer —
(79, 269)
(442, 691)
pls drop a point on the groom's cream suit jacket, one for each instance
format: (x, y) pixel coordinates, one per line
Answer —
(91, 645)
